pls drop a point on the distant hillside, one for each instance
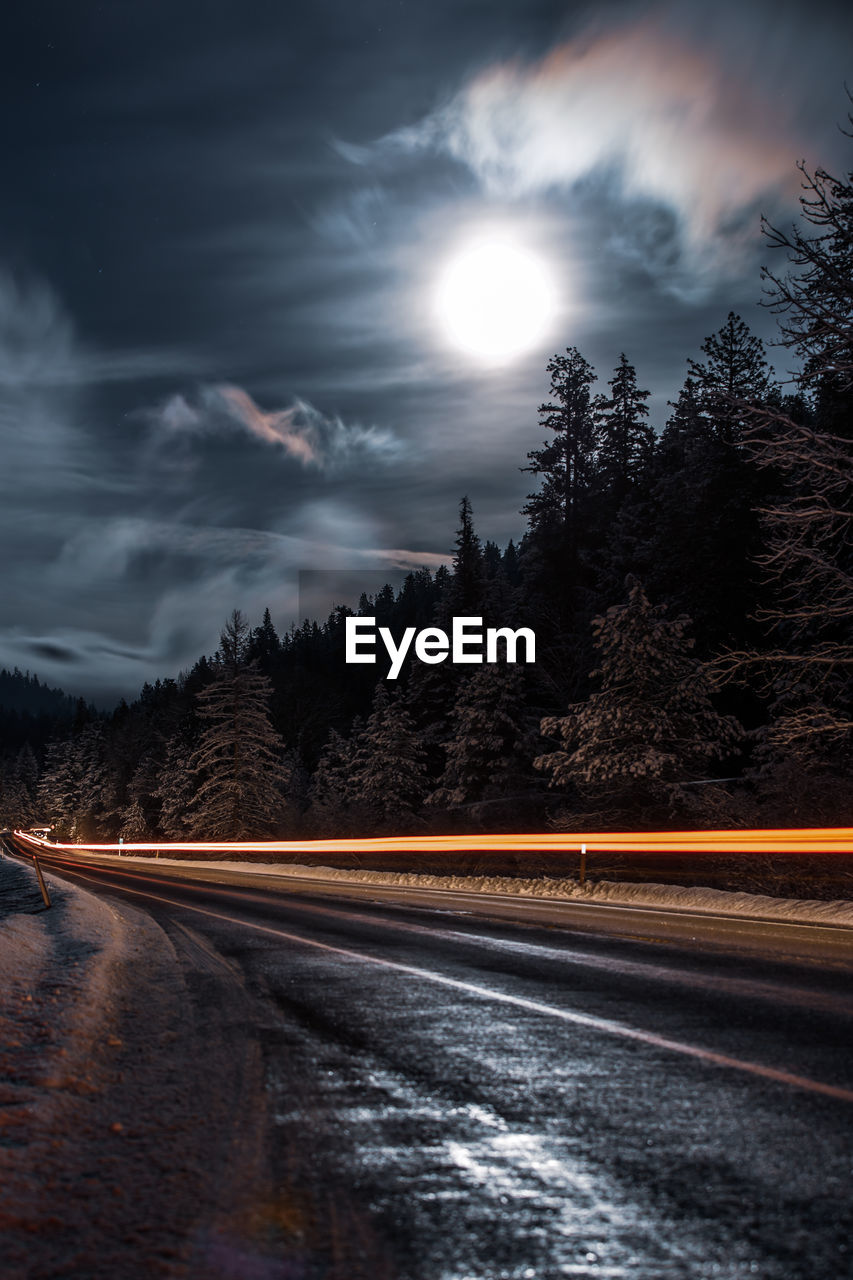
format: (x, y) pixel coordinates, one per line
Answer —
(19, 691)
(32, 712)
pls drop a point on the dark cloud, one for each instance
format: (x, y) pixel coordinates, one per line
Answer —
(221, 229)
(52, 652)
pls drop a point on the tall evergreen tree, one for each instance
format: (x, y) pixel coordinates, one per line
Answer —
(566, 461)
(238, 761)
(626, 441)
(704, 526)
(388, 775)
(734, 374)
(487, 755)
(558, 578)
(334, 806)
(175, 789)
(650, 727)
(264, 645)
(467, 585)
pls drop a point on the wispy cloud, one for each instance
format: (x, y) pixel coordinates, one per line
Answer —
(40, 347)
(303, 433)
(662, 116)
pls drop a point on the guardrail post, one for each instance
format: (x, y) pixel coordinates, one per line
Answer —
(42, 885)
(582, 877)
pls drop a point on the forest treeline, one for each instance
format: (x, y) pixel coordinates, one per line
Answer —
(691, 590)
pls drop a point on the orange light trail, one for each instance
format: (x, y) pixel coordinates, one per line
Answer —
(804, 840)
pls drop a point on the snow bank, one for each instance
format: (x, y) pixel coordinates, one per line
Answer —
(67, 951)
(661, 896)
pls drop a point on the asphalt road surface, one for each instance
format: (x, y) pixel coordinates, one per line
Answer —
(453, 1096)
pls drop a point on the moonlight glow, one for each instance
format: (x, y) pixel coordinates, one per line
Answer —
(495, 300)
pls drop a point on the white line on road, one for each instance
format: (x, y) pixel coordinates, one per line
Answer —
(605, 1025)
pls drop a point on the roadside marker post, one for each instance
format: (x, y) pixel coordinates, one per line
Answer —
(42, 885)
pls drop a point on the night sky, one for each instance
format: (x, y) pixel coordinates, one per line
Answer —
(221, 231)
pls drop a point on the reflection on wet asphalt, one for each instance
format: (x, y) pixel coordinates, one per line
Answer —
(479, 1140)
(457, 1099)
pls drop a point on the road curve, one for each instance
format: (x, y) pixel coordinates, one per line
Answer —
(455, 1094)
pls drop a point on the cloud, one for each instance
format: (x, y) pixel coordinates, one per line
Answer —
(301, 431)
(40, 347)
(662, 116)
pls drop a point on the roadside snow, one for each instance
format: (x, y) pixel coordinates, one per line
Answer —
(662, 896)
(79, 930)
(131, 1101)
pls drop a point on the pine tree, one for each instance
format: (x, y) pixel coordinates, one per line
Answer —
(687, 430)
(264, 645)
(175, 789)
(626, 441)
(704, 526)
(487, 753)
(566, 462)
(238, 761)
(468, 582)
(75, 789)
(733, 375)
(558, 576)
(60, 788)
(134, 826)
(333, 804)
(651, 726)
(388, 773)
(15, 802)
(429, 697)
(21, 787)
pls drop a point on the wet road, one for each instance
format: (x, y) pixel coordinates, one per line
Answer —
(453, 1097)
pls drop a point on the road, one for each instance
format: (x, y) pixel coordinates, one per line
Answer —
(453, 1095)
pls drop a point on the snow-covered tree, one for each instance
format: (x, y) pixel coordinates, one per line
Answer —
(486, 754)
(388, 777)
(650, 727)
(134, 826)
(175, 789)
(59, 787)
(238, 761)
(14, 802)
(333, 806)
(18, 786)
(74, 789)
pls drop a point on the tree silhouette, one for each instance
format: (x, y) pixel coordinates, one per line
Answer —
(626, 441)
(808, 443)
(238, 761)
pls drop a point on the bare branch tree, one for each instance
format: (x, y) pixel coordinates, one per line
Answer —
(807, 442)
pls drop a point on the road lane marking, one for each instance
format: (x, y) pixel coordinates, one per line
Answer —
(588, 1020)
(796, 997)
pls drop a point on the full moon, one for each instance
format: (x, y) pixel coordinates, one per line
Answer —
(495, 300)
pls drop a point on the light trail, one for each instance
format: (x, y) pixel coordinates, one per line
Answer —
(800, 840)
